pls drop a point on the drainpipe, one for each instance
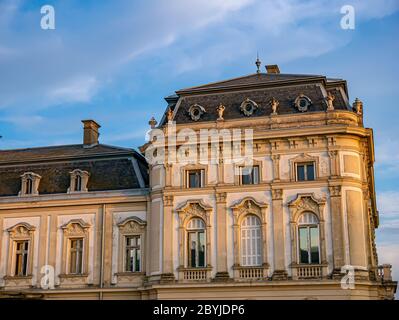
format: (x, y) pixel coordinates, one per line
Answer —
(102, 250)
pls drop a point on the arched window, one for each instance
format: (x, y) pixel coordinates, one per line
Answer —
(251, 241)
(309, 240)
(29, 185)
(78, 183)
(196, 242)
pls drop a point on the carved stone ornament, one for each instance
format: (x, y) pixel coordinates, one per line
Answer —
(194, 208)
(169, 114)
(249, 205)
(21, 230)
(329, 100)
(153, 122)
(220, 111)
(75, 227)
(196, 111)
(248, 107)
(131, 225)
(274, 104)
(302, 103)
(304, 203)
(335, 191)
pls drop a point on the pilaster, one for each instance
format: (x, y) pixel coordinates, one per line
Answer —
(280, 272)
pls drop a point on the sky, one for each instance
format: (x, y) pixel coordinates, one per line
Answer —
(115, 61)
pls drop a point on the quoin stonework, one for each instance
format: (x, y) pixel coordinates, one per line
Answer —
(283, 208)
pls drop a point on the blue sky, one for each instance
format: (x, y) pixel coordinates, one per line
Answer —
(114, 61)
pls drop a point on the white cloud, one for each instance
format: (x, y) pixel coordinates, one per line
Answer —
(89, 47)
(77, 90)
(388, 202)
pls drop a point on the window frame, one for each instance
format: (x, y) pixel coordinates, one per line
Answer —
(197, 232)
(308, 227)
(73, 230)
(252, 175)
(79, 251)
(305, 164)
(24, 257)
(29, 184)
(78, 178)
(250, 239)
(201, 180)
(21, 232)
(131, 227)
(138, 246)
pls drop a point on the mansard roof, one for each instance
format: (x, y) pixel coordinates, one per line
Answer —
(110, 168)
(260, 88)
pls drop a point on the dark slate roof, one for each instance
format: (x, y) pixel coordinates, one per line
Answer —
(252, 79)
(261, 88)
(110, 168)
(59, 152)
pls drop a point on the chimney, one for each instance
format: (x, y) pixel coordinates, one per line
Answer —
(272, 68)
(90, 133)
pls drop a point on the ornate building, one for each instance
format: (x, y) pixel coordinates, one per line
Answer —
(92, 221)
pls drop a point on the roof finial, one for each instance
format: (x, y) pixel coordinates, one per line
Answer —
(258, 63)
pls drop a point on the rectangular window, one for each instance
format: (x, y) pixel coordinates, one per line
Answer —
(21, 258)
(195, 178)
(78, 183)
(132, 254)
(309, 245)
(76, 256)
(250, 175)
(29, 186)
(196, 252)
(305, 171)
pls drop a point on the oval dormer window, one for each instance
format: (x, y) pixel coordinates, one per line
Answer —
(196, 111)
(248, 107)
(302, 103)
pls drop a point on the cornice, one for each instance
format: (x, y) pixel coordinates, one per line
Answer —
(65, 200)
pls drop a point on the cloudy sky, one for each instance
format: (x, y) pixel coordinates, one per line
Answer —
(114, 61)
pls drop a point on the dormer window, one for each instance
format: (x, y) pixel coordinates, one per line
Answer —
(79, 179)
(30, 184)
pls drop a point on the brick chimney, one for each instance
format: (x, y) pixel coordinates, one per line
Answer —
(272, 68)
(90, 133)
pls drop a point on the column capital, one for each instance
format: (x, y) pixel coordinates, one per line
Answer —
(220, 197)
(167, 200)
(277, 194)
(335, 191)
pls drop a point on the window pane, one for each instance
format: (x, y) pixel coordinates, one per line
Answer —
(73, 262)
(303, 245)
(194, 179)
(192, 243)
(18, 262)
(300, 172)
(310, 172)
(314, 243)
(251, 241)
(255, 174)
(201, 250)
(137, 262)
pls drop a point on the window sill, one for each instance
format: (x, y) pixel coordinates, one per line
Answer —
(130, 273)
(28, 277)
(73, 275)
(18, 281)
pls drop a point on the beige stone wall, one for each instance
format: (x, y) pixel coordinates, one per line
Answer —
(48, 218)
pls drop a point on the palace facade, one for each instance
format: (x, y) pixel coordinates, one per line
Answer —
(92, 221)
